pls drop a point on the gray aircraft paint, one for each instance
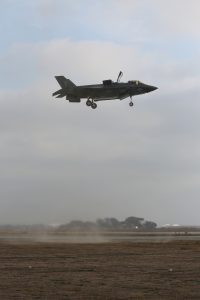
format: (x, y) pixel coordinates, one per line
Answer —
(108, 90)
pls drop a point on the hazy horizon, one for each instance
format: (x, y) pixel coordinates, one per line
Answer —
(62, 161)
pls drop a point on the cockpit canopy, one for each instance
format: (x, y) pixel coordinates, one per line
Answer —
(134, 82)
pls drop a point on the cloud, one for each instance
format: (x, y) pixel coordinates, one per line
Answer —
(65, 161)
(128, 20)
(61, 161)
(178, 17)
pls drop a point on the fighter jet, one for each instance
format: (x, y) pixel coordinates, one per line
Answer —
(108, 90)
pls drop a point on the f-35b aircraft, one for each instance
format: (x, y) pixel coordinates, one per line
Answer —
(109, 90)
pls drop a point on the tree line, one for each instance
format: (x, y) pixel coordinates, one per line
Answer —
(130, 223)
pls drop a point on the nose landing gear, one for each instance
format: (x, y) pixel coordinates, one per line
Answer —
(131, 102)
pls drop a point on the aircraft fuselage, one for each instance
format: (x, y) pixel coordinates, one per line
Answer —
(100, 92)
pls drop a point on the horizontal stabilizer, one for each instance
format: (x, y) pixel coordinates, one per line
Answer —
(57, 92)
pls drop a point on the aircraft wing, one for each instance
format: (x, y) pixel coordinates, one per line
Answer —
(125, 94)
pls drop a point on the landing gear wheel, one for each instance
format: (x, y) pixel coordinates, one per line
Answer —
(94, 105)
(89, 103)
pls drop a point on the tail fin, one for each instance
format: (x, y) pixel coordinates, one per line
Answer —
(65, 83)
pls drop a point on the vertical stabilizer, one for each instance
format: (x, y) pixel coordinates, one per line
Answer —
(65, 83)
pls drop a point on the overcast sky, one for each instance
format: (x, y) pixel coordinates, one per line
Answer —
(62, 161)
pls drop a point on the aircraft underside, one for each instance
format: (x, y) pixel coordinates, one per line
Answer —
(97, 94)
(91, 102)
(105, 98)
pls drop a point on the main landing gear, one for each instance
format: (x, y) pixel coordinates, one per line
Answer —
(91, 103)
(131, 102)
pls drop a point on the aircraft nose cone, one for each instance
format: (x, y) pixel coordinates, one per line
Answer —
(151, 88)
(154, 88)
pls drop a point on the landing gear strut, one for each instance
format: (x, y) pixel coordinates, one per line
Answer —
(91, 103)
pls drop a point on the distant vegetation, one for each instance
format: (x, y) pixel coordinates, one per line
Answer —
(130, 223)
(103, 225)
(106, 224)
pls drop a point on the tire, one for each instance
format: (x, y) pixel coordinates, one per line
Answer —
(89, 103)
(94, 105)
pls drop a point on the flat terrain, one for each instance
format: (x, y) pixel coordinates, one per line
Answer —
(126, 270)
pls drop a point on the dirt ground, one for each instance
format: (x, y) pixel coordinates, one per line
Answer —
(124, 270)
